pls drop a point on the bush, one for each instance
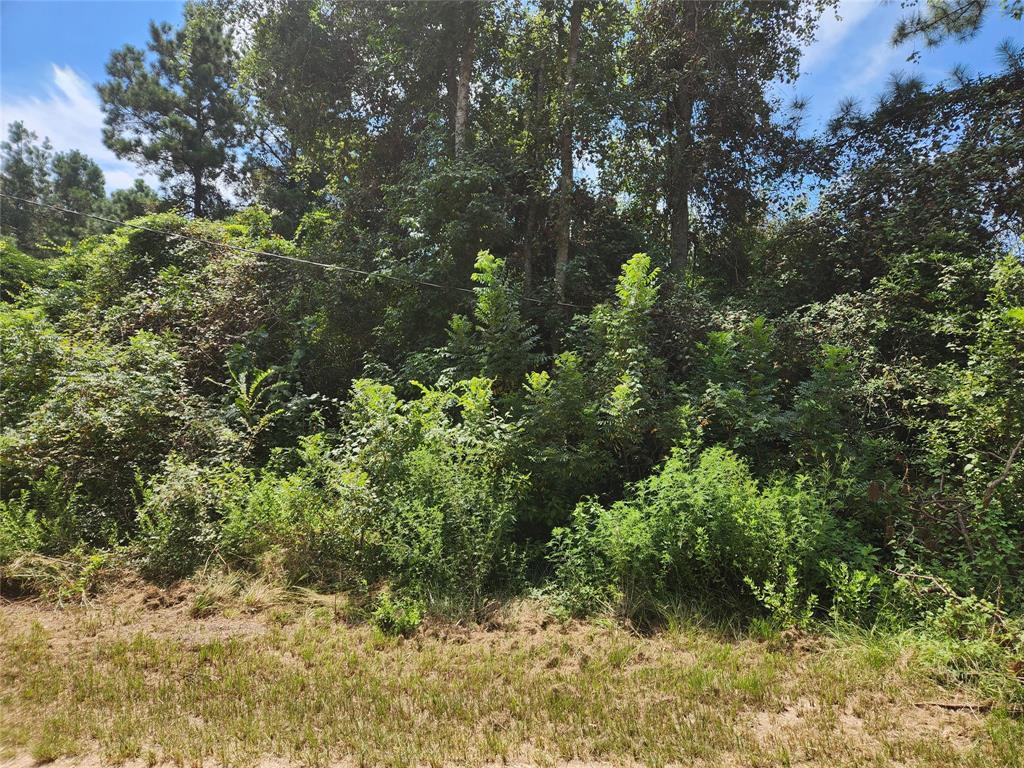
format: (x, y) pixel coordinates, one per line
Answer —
(397, 616)
(560, 443)
(31, 351)
(975, 450)
(44, 518)
(20, 528)
(113, 413)
(178, 520)
(604, 414)
(320, 519)
(421, 494)
(701, 525)
(442, 467)
(500, 344)
(17, 269)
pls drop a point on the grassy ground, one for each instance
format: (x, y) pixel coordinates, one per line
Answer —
(193, 678)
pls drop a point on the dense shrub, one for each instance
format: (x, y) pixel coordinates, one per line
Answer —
(701, 526)
(419, 493)
(742, 397)
(561, 443)
(500, 343)
(180, 513)
(31, 351)
(976, 452)
(441, 467)
(319, 520)
(110, 414)
(604, 413)
(154, 391)
(17, 269)
(397, 615)
(20, 528)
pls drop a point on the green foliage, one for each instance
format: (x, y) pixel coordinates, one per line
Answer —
(773, 410)
(970, 638)
(561, 441)
(441, 467)
(630, 377)
(24, 171)
(855, 593)
(20, 528)
(70, 180)
(17, 269)
(500, 344)
(702, 525)
(785, 600)
(420, 493)
(178, 112)
(133, 202)
(111, 412)
(974, 452)
(179, 515)
(604, 413)
(31, 351)
(46, 518)
(507, 342)
(318, 521)
(254, 402)
(742, 392)
(77, 185)
(397, 616)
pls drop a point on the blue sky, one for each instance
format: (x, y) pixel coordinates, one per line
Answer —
(852, 56)
(53, 52)
(51, 55)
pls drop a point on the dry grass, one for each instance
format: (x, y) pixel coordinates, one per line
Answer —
(148, 678)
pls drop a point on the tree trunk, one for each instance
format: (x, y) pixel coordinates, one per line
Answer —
(565, 148)
(536, 121)
(198, 193)
(452, 88)
(528, 236)
(465, 76)
(680, 179)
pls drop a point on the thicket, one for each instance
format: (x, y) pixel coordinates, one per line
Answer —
(157, 400)
(814, 416)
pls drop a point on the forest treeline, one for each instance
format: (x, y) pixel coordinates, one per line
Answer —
(598, 318)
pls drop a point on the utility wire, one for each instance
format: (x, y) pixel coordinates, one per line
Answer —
(270, 254)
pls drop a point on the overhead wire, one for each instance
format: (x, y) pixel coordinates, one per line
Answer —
(271, 254)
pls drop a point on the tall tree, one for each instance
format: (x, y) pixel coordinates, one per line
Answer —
(559, 66)
(177, 109)
(132, 202)
(25, 173)
(565, 142)
(529, 55)
(701, 127)
(928, 162)
(77, 180)
(467, 22)
(77, 183)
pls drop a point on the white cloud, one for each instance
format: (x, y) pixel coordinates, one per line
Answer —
(69, 114)
(879, 61)
(834, 28)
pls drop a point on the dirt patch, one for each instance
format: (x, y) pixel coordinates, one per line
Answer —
(864, 729)
(124, 612)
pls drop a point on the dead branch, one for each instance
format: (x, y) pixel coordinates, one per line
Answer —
(991, 488)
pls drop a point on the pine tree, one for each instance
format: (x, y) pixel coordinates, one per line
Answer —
(177, 110)
(24, 170)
